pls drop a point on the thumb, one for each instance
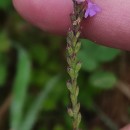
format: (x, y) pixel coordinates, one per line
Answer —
(110, 27)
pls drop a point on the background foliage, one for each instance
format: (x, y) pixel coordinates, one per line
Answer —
(33, 94)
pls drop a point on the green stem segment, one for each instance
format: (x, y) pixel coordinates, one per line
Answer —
(73, 46)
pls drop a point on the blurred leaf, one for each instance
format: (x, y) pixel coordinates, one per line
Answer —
(54, 66)
(32, 115)
(21, 84)
(103, 79)
(55, 96)
(91, 55)
(58, 127)
(4, 4)
(56, 42)
(67, 121)
(88, 63)
(88, 103)
(40, 77)
(90, 49)
(4, 42)
(39, 53)
(105, 54)
(3, 74)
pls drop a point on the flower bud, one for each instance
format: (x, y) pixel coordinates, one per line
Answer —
(71, 72)
(69, 86)
(77, 91)
(70, 50)
(79, 119)
(77, 47)
(78, 67)
(77, 108)
(70, 112)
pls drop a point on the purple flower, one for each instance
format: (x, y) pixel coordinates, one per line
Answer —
(92, 9)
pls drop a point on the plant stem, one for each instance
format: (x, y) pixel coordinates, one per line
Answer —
(73, 46)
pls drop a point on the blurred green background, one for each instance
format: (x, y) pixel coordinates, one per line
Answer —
(33, 93)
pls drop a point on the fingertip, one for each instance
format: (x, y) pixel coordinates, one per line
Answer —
(110, 27)
(51, 16)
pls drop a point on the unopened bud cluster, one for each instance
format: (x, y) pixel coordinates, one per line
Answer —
(73, 47)
(82, 9)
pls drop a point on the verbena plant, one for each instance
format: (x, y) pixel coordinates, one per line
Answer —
(82, 8)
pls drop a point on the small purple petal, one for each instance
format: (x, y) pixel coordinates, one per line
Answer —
(86, 13)
(92, 9)
(92, 13)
